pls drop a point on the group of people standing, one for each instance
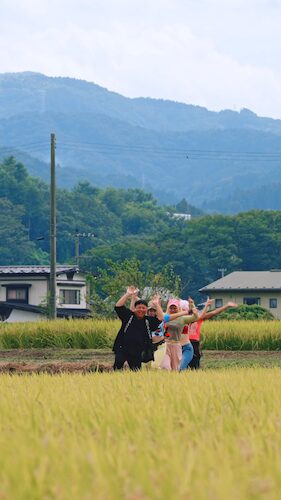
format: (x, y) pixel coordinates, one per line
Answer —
(145, 327)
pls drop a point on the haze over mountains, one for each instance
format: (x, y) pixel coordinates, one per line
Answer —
(227, 161)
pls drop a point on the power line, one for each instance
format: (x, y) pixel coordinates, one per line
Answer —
(65, 145)
(26, 144)
(143, 147)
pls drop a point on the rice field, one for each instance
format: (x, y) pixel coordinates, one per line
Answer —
(99, 334)
(242, 335)
(79, 334)
(149, 435)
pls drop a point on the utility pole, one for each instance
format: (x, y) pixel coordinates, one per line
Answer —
(53, 232)
(77, 244)
(222, 271)
(77, 249)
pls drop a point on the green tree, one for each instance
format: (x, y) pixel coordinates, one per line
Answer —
(245, 312)
(15, 247)
(184, 207)
(112, 282)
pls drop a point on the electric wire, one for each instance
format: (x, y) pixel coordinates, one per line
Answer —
(66, 145)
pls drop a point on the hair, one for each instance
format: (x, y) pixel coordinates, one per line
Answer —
(141, 301)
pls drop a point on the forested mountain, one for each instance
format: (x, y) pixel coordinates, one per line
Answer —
(267, 197)
(130, 224)
(171, 149)
(28, 91)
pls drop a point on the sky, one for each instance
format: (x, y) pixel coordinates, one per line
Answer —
(221, 54)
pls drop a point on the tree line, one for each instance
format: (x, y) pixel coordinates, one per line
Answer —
(129, 225)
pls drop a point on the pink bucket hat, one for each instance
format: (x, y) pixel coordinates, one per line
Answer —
(174, 302)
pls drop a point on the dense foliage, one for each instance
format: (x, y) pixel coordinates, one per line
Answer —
(128, 225)
(244, 312)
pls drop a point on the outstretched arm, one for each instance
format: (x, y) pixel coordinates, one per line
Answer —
(130, 291)
(206, 308)
(184, 313)
(188, 318)
(156, 301)
(213, 313)
(195, 315)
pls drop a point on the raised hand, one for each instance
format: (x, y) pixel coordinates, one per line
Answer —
(191, 302)
(131, 290)
(156, 300)
(232, 304)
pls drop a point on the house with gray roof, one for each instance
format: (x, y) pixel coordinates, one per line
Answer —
(24, 291)
(248, 287)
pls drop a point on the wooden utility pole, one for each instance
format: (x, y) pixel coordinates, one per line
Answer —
(77, 244)
(53, 233)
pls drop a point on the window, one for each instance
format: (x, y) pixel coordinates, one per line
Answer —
(273, 303)
(17, 294)
(218, 303)
(70, 296)
(250, 301)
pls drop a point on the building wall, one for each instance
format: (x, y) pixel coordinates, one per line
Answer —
(238, 297)
(83, 295)
(18, 316)
(37, 291)
(70, 285)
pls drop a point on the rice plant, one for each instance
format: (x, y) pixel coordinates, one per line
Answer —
(100, 334)
(149, 435)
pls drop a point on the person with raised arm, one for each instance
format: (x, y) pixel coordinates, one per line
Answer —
(134, 340)
(193, 331)
(173, 331)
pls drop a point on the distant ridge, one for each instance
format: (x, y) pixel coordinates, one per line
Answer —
(158, 114)
(175, 150)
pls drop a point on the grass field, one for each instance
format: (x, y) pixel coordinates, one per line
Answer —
(133, 436)
(99, 334)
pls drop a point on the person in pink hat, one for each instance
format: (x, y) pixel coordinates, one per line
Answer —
(173, 331)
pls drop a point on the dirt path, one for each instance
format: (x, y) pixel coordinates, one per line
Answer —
(89, 360)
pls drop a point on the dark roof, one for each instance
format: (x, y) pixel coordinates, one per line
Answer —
(21, 307)
(247, 280)
(77, 313)
(61, 311)
(35, 270)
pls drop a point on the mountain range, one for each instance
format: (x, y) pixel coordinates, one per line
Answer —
(224, 161)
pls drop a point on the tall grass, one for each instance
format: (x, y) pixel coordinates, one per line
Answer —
(95, 334)
(242, 335)
(82, 334)
(131, 436)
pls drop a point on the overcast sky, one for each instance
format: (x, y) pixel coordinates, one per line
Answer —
(214, 53)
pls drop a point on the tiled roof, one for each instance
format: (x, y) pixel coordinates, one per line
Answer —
(247, 280)
(27, 270)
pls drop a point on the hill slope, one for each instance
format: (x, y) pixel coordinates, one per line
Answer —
(172, 149)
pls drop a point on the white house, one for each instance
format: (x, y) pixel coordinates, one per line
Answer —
(248, 287)
(182, 216)
(24, 291)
